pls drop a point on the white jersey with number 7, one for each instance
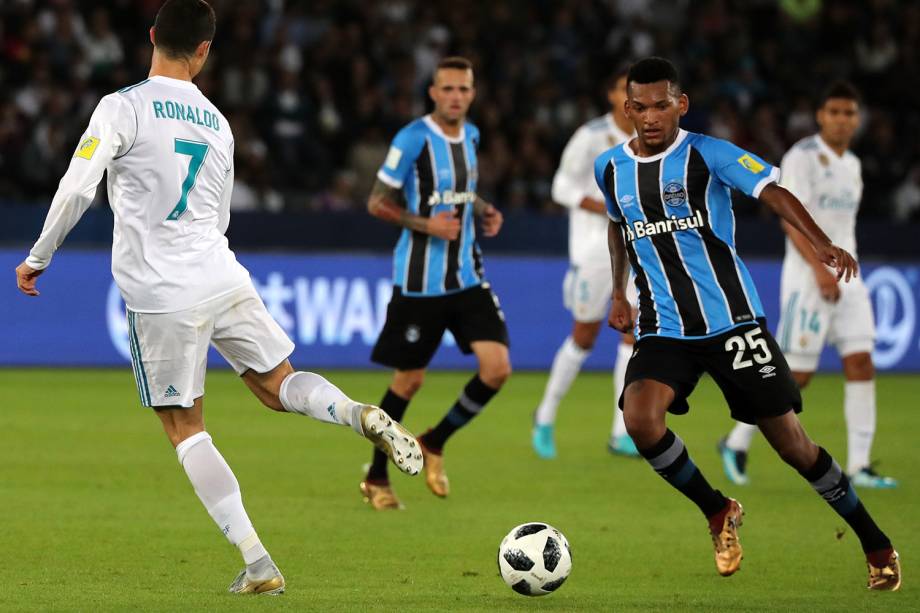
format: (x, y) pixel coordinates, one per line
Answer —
(169, 156)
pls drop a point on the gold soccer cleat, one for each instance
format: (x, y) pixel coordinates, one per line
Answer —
(380, 497)
(392, 439)
(727, 547)
(888, 577)
(271, 586)
(435, 476)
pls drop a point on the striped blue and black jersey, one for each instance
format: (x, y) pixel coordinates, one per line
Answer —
(675, 212)
(436, 173)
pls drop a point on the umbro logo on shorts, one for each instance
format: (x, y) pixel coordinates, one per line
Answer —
(171, 392)
(767, 371)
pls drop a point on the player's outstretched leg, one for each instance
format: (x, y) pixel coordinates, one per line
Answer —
(494, 370)
(566, 366)
(787, 436)
(733, 450)
(645, 405)
(620, 442)
(307, 393)
(219, 492)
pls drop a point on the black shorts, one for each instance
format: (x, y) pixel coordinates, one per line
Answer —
(745, 362)
(414, 326)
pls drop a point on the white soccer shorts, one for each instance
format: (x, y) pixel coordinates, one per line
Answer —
(807, 321)
(169, 351)
(586, 293)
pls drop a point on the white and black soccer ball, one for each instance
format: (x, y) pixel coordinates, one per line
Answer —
(534, 559)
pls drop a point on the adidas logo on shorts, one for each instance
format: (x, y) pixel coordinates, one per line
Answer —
(171, 392)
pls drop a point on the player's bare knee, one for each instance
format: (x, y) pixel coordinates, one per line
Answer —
(268, 394)
(858, 367)
(180, 423)
(407, 383)
(584, 340)
(585, 334)
(271, 401)
(494, 374)
(802, 379)
(642, 426)
(267, 386)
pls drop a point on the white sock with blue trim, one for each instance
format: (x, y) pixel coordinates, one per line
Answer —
(309, 394)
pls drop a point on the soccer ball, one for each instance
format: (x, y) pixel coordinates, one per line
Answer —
(534, 559)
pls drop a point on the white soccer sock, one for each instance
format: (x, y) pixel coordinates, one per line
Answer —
(739, 439)
(309, 394)
(219, 491)
(566, 365)
(624, 352)
(859, 409)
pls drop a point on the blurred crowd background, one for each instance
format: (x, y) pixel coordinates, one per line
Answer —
(315, 89)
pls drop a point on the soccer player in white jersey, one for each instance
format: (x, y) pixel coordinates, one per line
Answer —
(587, 286)
(169, 156)
(826, 177)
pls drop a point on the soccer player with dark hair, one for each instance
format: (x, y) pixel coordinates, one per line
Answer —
(668, 199)
(168, 152)
(427, 185)
(586, 288)
(826, 177)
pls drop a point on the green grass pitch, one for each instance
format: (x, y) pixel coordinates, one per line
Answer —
(98, 515)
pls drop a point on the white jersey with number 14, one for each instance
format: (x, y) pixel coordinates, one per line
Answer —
(169, 156)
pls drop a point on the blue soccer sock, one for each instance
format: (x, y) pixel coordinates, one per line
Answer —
(670, 459)
(470, 403)
(832, 484)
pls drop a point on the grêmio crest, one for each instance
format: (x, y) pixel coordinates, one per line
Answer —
(674, 194)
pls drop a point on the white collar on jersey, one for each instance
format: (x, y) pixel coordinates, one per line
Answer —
(173, 82)
(826, 149)
(681, 135)
(437, 130)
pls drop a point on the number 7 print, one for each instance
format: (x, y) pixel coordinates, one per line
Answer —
(198, 152)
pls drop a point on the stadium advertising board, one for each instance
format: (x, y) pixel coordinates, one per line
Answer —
(334, 305)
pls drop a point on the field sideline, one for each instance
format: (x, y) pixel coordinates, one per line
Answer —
(99, 516)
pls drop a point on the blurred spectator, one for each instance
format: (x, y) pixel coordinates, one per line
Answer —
(102, 48)
(338, 197)
(884, 163)
(315, 91)
(907, 196)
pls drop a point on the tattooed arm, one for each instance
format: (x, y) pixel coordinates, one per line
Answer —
(382, 204)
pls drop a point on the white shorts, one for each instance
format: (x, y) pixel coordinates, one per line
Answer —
(169, 351)
(586, 293)
(807, 321)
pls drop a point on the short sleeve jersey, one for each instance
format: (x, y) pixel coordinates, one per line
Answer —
(675, 212)
(436, 173)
